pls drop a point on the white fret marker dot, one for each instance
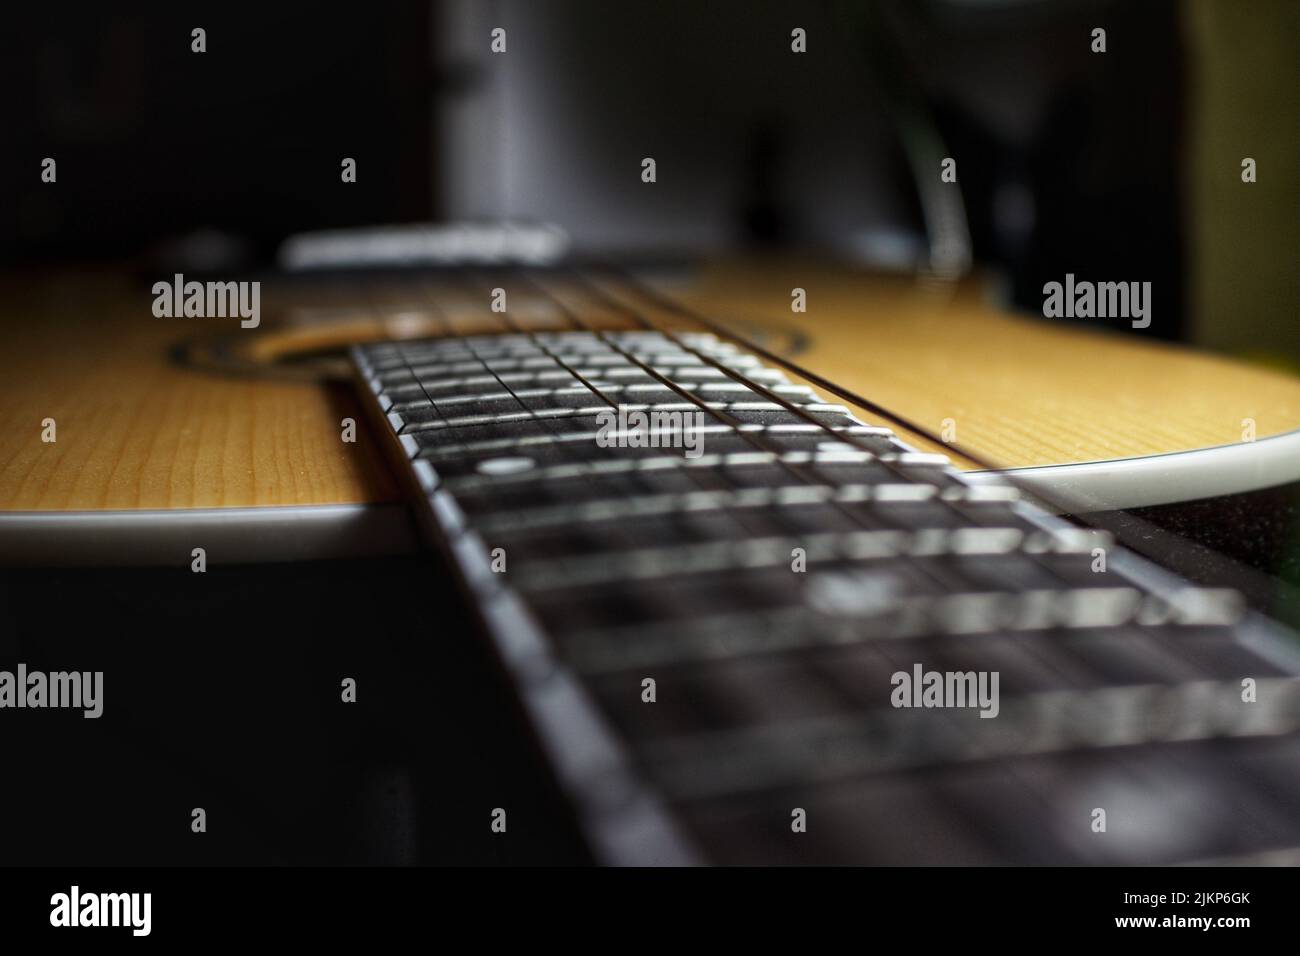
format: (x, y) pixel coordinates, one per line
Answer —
(850, 594)
(505, 466)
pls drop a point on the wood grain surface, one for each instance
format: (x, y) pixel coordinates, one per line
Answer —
(138, 430)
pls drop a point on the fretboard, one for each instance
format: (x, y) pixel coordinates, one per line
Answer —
(703, 581)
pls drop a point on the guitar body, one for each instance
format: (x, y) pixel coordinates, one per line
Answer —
(168, 427)
(365, 414)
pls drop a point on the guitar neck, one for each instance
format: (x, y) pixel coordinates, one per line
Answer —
(748, 627)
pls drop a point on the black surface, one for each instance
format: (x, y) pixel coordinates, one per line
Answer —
(222, 691)
(1250, 542)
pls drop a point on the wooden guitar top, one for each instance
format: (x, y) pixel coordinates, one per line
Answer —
(138, 430)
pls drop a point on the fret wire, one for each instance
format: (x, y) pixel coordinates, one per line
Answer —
(564, 413)
(672, 503)
(943, 576)
(731, 635)
(768, 756)
(631, 392)
(724, 556)
(627, 379)
(514, 444)
(704, 461)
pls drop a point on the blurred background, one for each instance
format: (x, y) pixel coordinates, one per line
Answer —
(1122, 165)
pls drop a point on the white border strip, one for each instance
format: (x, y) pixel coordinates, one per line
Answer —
(312, 532)
(228, 535)
(1158, 479)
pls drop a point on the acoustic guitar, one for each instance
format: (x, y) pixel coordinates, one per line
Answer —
(770, 585)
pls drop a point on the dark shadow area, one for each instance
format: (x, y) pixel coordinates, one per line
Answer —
(222, 690)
